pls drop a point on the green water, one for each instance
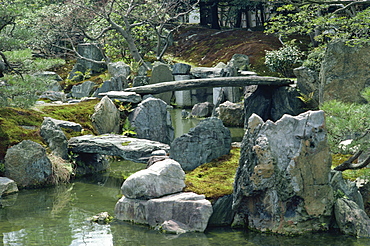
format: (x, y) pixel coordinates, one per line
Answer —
(59, 216)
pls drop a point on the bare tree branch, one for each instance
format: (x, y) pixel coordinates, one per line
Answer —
(349, 165)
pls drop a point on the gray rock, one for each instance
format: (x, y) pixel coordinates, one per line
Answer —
(344, 72)
(140, 81)
(206, 72)
(68, 125)
(160, 179)
(162, 73)
(105, 87)
(208, 140)
(181, 69)
(55, 138)
(53, 96)
(239, 62)
(48, 75)
(231, 114)
(119, 69)
(27, 164)
(7, 186)
(202, 109)
(152, 121)
(87, 163)
(175, 227)
(123, 96)
(132, 149)
(223, 214)
(307, 83)
(90, 51)
(188, 208)
(282, 182)
(119, 83)
(343, 187)
(351, 219)
(82, 90)
(106, 118)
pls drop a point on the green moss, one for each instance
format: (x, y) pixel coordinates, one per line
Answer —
(214, 179)
(363, 173)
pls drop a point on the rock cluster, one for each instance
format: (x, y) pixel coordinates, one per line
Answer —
(154, 196)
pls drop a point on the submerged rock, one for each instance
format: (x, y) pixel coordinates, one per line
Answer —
(7, 186)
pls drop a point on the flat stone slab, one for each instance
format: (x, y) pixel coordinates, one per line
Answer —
(122, 96)
(132, 149)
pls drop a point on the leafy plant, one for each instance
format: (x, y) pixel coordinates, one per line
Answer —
(127, 129)
(283, 60)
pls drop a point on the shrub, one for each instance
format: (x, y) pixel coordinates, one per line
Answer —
(283, 60)
(314, 59)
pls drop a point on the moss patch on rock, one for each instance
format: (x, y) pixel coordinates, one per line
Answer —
(214, 179)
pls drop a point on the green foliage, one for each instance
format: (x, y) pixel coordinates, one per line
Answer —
(127, 129)
(283, 60)
(214, 179)
(346, 121)
(314, 59)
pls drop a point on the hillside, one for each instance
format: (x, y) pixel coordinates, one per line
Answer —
(202, 46)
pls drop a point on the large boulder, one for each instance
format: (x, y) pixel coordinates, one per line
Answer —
(223, 214)
(27, 164)
(308, 84)
(231, 114)
(106, 118)
(152, 121)
(282, 182)
(351, 219)
(54, 137)
(208, 140)
(185, 208)
(119, 69)
(344, 72)
(162, 178)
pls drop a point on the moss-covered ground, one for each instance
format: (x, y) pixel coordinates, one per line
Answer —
(216, 178)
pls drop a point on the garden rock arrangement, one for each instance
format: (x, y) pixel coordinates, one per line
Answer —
(153, 196)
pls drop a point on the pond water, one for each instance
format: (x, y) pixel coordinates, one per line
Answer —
(60, 215)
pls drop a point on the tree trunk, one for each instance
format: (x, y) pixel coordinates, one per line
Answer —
(203, 12)
(214, 16)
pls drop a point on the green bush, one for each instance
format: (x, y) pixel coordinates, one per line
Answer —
(314, 59)
(283, 60)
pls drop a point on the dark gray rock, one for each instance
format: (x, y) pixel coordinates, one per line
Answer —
(132, 149)
(162, 178)
(206, 72)
(140, 81)
(181, 69)
(82, 90)
(87, 163)
(54, 137)
(231, 114)
(68, 125)
(208, 140)
(202, 109)
(90, 51)
(239, 62)
(106, 118)
(343, 187)
(27, 164)
(223, 214)
(282, 182)
(351, 219)
(308, 83)
(152, 121)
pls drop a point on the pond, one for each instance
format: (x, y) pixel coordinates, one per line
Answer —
(59, 216)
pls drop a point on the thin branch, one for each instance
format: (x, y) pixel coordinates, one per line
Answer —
(349, 165)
